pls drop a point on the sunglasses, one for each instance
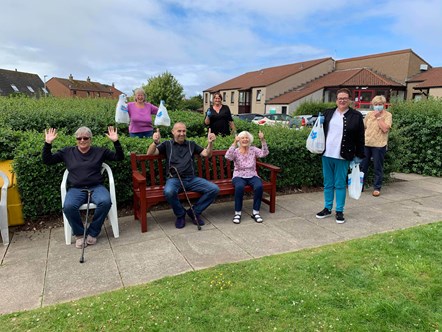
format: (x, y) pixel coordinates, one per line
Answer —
(82, 138)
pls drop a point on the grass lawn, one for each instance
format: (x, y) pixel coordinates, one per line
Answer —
(386, 282)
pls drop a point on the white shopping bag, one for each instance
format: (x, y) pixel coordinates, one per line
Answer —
(121, 113)
(162, 118)
(316, 140)
(355, 181)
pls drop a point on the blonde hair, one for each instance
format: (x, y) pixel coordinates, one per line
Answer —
(379, 99)
(246, 133)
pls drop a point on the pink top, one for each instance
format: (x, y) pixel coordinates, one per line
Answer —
(141, 118)
(245, 164)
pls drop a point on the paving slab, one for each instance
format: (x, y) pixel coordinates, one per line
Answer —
(209, 248)
(37, 268)
(149, 260)
(21, 285)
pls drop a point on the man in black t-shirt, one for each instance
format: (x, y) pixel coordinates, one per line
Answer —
(179, 156)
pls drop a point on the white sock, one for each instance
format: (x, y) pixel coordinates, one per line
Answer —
(238, 213)
(255, 212)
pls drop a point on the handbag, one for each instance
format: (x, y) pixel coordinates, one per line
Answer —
(355, 181)
(121, 113)
(162, 117)
(316, 139)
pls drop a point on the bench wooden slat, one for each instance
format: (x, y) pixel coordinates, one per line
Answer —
(217, 169)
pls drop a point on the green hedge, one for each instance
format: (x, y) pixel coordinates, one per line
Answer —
(414, 145)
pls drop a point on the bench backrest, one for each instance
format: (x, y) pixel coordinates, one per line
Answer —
(153, 168)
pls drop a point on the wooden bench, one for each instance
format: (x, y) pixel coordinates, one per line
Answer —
(149, 178)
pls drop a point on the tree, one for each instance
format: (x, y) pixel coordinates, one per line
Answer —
(164, 87)
(193, 103)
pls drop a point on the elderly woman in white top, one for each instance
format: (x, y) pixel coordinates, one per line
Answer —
(244, 155)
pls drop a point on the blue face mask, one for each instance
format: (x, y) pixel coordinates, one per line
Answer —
(378, 107)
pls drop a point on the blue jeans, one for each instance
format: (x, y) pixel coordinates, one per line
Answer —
(240, 183)
(208, 190)
(335, 173)
(75, 197)
(142, 134)
(378, 155)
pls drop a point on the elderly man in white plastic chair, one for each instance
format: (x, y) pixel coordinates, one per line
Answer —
(84, 164)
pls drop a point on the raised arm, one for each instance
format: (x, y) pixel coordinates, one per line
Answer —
(50, 135)
(152, 149)
(112, 133)
(207, 152)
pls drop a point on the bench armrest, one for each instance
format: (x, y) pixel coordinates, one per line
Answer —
(271, 167)
(139, 183)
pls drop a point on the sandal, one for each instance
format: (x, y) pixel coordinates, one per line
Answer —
(236, 219)
(376, 193)
(257, 218)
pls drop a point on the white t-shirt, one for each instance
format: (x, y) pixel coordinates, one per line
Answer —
(334, 135)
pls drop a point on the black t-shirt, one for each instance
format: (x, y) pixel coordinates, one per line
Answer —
(180, 156)
(219, 122)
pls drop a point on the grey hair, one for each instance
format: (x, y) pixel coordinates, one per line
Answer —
(83, 130)
(139, 90)
(246, 133)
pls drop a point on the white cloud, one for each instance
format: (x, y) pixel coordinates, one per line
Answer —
(201, 42)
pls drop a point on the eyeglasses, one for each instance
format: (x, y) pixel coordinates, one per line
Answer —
(342, 99)
(82, 138)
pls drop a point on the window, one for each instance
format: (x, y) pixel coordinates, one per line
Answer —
(206, 97)
(232, 97)
(224, 96)
(417, 96)
(14, 88)
(258, 95)
(30, 89)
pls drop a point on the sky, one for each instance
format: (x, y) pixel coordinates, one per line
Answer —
(203, 43)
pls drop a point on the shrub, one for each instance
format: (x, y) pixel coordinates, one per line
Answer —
(414, 145)
(313, 108)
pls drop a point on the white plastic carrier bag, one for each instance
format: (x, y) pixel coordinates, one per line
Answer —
(162, 117)
(355, 181)
(316, 140)
(121, 113)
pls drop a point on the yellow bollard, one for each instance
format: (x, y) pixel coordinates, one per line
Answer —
(15, 213)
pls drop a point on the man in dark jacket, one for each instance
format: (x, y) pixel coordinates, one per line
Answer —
(344, 142)
(84, 165)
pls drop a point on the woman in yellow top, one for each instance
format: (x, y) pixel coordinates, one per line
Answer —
(377, 125)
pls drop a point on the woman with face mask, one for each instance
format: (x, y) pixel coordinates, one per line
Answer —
(377, 125)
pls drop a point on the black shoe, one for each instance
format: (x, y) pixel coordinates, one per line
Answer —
(198, 217)
(340, 217)
(180, 222)
(323, 214)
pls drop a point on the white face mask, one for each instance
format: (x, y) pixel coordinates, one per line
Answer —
(378, 107)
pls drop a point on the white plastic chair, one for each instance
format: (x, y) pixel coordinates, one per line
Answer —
(112, 215)
(4, 226)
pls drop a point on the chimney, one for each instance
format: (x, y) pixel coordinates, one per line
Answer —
(71, 77)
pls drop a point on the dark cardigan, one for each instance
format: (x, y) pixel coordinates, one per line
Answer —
(353, 136)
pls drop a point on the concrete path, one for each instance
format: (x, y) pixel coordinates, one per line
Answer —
(37, 268)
